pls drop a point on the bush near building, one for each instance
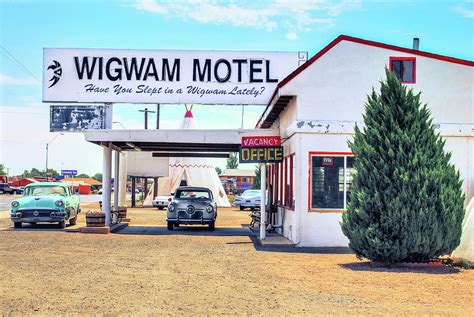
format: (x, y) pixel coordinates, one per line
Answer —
(406, 203)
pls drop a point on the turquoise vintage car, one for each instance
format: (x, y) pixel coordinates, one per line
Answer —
(46, 202)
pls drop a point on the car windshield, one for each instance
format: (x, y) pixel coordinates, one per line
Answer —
(196, 194)
(45, 191)
(251, 193)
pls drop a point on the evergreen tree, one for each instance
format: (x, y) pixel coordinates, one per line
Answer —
(2, 170)
(98, 177)
(256, 180)
(232, 161)
(406, 202)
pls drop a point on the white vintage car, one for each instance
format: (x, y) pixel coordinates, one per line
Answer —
(161, 202)
(250, 198)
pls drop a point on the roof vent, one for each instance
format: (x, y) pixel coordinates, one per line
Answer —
(416, 44)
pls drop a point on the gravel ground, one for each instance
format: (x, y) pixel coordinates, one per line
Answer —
(46, 271)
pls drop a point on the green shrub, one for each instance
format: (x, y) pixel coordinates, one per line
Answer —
(406, 202)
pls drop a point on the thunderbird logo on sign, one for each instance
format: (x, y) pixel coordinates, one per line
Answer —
(57, 72)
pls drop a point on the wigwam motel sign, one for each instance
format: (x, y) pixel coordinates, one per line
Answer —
(164, 76)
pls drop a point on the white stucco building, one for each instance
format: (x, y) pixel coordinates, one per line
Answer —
(315, 109)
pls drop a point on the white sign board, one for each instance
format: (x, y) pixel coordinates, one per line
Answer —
(143, 164)
(164, 76)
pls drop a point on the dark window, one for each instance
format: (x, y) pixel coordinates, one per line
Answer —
(327, 181)
(404, 68)
(349, 175)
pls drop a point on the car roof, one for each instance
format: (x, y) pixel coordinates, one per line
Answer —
(48, 184)
(193, 188)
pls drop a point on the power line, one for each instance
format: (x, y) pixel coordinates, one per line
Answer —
(8, 54)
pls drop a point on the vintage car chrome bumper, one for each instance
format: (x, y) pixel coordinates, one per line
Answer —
(160, 203)
(38, 215)
(199, 216)
(187, 220)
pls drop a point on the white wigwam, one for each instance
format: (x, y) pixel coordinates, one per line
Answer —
(195, 171)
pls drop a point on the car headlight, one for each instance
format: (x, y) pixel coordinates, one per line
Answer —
(59, 203)
(171, 208)
(15, 204)
(209, 209)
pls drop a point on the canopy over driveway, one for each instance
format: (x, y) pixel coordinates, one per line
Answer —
(206, 142)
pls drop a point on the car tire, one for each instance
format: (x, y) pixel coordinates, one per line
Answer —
(17, 224)
(176, 225)
(170, 225)
(73, 221)
(212, 226)
(33, 223)
(62, 224)
(241, 208)
(161, 208)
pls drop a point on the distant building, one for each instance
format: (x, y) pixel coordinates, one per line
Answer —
(83, 186)
(237, 179)
(22, 182)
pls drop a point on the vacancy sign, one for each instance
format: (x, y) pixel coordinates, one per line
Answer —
(164, 76)
(251, 141)
(261, 149)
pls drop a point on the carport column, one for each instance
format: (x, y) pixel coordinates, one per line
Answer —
(263, 210)
(123, 179)
(116, 180)
(106, 182)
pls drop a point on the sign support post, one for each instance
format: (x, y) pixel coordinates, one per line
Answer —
(107, 171)
(263, 211)
(117, 182)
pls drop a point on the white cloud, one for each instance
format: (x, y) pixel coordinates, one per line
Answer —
(293, 16)
(8, 80)
(467, 13)
(149, 5)
(291, 36)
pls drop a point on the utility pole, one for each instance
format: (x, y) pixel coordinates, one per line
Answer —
(146, 112)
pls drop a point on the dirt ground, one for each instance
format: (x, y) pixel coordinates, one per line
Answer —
(47, 271)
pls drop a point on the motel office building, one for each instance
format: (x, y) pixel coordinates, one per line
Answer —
(316, 108)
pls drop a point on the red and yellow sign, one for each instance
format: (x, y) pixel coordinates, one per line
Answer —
(253, 141)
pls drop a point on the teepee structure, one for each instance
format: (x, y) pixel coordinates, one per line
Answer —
(194, 171)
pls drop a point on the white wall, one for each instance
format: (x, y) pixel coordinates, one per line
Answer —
(317, 228)
(335, 87)
(331, 94)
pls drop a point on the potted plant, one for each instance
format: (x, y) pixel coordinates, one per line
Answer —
(95, 218)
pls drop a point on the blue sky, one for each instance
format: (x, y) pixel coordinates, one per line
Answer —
(444, 27)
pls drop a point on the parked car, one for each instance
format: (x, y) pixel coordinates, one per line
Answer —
(46, 202)
(250, 198)
(192, 205)
(161, 202)
(6, 189)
